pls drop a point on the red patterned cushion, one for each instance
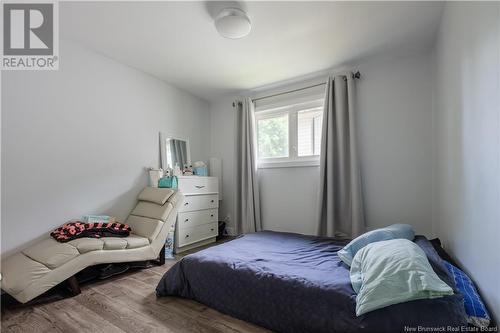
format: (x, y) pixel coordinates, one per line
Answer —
(72, 230)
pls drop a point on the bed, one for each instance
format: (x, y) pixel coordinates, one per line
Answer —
(294, 283)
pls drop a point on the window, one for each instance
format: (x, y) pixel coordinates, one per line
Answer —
(289, 135)
(309, 132)
(273, 136)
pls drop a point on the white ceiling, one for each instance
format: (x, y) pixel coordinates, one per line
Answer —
(177, 41)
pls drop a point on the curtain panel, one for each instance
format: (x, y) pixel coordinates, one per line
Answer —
(249, 200)
(340, 196)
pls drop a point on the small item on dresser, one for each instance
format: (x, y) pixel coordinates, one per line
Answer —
(177, 170)
(188, 170)
(168, 182)
(154, 176)
(73, 230)
(200, 171)
(200, 168)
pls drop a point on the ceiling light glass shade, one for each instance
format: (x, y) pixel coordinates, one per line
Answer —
(233, 23)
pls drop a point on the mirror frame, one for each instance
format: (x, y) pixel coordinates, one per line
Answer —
(163, 149)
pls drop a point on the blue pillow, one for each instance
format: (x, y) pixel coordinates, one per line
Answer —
(474, 306)
(394, 231)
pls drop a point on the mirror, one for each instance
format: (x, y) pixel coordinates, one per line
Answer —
(174, 150)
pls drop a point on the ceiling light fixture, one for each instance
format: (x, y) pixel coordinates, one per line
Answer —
(233, 23)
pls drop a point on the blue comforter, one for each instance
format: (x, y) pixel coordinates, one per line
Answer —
(294, 283)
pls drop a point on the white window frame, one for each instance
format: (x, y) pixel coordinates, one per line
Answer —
(293, 160)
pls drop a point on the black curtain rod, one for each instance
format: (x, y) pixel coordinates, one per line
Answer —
(356, 75)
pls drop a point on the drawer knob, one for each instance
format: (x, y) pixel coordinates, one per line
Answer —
(187, 236)
(199, 186)
(186, 203)
(211, 201)
(186, 220)
(212, 229)
(211, 215)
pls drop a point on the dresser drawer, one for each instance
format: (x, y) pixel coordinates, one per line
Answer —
(195, 234)
(198, 202)
(198, 185)
(196, 218)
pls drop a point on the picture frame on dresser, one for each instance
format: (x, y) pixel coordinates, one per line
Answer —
(197, 219)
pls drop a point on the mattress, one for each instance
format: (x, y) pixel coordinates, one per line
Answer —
(295, 283)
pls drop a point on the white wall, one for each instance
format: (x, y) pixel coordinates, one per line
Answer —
(223, 142)
(467, 132)
(395, 133)
(395, 140)
(76, 141)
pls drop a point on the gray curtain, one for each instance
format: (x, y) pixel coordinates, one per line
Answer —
(340, 196)
(248, 201)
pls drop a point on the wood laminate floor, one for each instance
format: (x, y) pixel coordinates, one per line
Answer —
(124, 303)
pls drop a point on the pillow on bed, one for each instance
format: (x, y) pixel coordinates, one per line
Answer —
(391, 232)
(475, 309)
(391, 272)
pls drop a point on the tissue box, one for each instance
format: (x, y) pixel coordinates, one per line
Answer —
(200, 171)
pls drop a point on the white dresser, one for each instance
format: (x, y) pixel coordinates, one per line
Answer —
(197, 219)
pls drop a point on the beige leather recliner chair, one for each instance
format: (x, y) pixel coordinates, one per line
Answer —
(31, 272)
